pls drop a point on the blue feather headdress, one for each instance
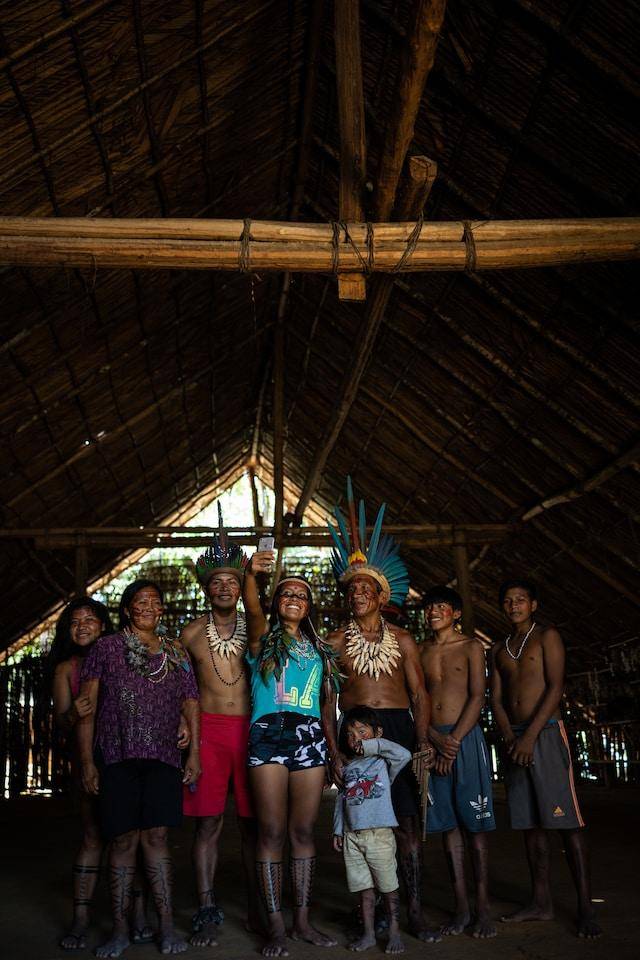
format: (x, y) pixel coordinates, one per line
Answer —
(221, 556)
(380, 560)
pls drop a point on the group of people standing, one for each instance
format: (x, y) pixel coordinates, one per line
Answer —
(162, 727)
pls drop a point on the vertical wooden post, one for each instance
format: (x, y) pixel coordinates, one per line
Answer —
(82, 567)
(351, 119)
(257, 519)
(461, 560)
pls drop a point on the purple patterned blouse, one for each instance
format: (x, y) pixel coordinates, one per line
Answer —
(137, 719)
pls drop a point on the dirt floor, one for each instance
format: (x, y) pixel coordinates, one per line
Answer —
(38, 836)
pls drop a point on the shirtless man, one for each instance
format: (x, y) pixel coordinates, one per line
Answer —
(460, 786)
(216, 643)
(527, 684)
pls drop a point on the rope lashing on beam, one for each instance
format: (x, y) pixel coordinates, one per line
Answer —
(470, 247)
(367, 265)
(411, 244)
(244, 254)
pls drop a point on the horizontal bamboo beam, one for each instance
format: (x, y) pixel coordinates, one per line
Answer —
(514, 244)
(413, 542)
(281, 230)
(396, 529)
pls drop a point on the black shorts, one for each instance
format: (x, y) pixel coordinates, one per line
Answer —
(398, 725)
(291, 739)
(138, 795)
(544, 795)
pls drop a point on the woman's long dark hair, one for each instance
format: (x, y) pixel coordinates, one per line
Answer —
(63, 647)
(127, 598)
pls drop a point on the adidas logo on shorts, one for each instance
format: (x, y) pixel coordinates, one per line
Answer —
(481, 807)
(558, 812)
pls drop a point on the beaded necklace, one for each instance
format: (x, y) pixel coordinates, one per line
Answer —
(516, 656)
(138, 657)
(227, 647)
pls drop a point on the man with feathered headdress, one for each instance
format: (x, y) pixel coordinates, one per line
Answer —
(217, 643)
(382, 668)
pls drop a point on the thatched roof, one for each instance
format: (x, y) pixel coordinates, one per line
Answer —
(126, 394)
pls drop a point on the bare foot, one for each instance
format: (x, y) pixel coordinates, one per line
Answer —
(363, 943)
(455, 925)
(418, 928)
(484, 928)
(588, 927)
(276, 946)
(310, 935)
(533, 912)
(206, 937)
(172, 943)
(395, 944)
(75, 939)
(113, 947)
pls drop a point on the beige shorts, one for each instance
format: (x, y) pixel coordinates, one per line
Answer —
(370, 859)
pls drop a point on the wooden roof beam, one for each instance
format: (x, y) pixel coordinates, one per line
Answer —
(500, 495)
(54, 34)
(351, 122)
(422, 174)
(310, 248)
(626, 459)
(418, 54)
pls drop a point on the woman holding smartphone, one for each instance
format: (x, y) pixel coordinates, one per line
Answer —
(293, 683)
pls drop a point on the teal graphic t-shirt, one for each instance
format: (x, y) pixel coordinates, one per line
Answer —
(297, 690)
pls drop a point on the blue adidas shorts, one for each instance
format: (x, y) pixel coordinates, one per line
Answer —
(463, 798)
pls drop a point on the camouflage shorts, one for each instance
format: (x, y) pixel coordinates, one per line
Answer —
(291, 739)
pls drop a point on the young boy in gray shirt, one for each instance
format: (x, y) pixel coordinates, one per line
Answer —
(363, 821)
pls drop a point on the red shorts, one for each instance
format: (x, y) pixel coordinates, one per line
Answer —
(223, 756)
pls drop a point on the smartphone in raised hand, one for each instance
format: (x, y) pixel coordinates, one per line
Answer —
(266, 543)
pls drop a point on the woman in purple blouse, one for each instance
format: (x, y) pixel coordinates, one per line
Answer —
(138, 682)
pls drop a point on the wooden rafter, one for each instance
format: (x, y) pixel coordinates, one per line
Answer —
(499, 493)
(417, 58)
(626, 459)
(421, 175)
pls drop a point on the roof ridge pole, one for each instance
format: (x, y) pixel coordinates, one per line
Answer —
(351, 121)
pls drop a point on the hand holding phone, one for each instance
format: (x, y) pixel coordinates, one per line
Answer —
(262, 560)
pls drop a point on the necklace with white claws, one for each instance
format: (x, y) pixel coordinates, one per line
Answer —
(227, 647)
(372, 657)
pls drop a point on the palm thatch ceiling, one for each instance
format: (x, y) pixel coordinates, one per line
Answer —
(127, 394)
